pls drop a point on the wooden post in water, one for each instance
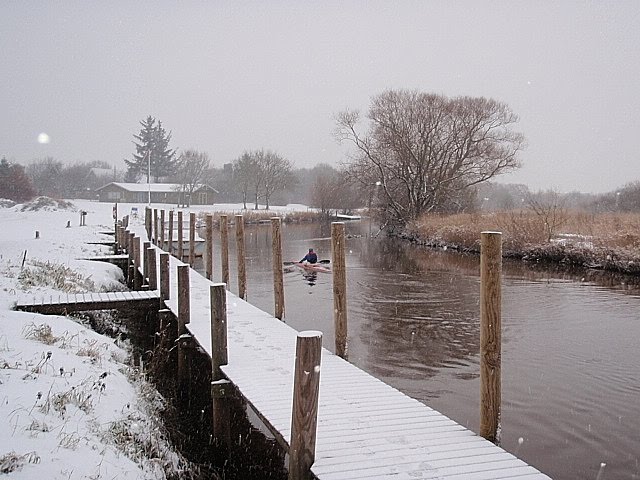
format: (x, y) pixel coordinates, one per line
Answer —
(339, 288)
(304, 416)
(192, 239)
(208, 253)
(153, 276)
(490, 333)
(165, 289)
(219, 357)
(132, 266)
(242, 268)
(147, 221)
(183, 320)
(278, 278)
(145, 268)
(224, 248)
(161, 242)
(155, 226)
(179, 252)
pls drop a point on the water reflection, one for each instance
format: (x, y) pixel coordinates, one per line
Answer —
(570, 356)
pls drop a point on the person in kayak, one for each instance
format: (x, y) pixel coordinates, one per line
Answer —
(310, 257)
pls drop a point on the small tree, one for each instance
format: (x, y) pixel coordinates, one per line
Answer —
(46, 177)
(152, 152)
(245, 171)
(191, 168)
(275, 174)
(14, 183)
(550, 208)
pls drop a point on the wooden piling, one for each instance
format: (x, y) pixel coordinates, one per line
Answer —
(155, 226)
(165, 280)
(145, 268)
(339, 288)
(219, 357)
(242, 269)
(147, 222)
(183, 320)
(208, 254)
(490, 333)
(183, 298)
(224, 248)
(304, 417)
(192, 239)
(179, 252)
(161, 242)
(170, 233)
(153, 276)
(137, 262)
(278, 277)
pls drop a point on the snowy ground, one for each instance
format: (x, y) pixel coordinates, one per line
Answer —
(71, 404)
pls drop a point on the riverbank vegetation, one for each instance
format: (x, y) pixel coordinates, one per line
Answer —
(608, 241)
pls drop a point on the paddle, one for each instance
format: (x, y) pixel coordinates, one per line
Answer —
(325, 261)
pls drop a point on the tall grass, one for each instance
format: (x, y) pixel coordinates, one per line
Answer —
(523, 229)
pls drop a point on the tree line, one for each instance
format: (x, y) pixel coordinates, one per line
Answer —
(412, 153)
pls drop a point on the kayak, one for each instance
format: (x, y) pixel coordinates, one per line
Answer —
(313, 267)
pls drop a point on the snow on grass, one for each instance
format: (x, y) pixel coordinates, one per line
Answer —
(70, 404)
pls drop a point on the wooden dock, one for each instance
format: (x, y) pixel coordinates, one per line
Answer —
(366, 429)
(79, 302)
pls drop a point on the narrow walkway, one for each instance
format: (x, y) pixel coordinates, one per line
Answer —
(366, 428)
(78, 302)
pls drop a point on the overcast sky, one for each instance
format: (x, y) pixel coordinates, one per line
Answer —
(226, 77)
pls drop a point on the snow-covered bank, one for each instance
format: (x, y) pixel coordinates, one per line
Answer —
(71, 405)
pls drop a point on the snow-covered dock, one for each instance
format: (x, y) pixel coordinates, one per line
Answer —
(75, 302)
(366, 428)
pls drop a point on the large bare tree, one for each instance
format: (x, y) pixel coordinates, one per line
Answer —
(426, 149)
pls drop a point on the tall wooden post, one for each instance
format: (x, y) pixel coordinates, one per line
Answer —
(490, 333)
(145, 267)
(165, 289)
(278, 277)
(183, 320)
(153, 276)
(147, 222)
(224, 248)
(161, 242)
(339, 288)
(219, 357)
(155, 226)
(242, 269)
(192, 239)
(179, 255)
(170, 233)
(304, 416)
(137, 277)
(208, 254)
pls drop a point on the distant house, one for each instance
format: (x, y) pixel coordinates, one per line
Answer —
(160, 193)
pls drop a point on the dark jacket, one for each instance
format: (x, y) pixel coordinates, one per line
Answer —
(310, 257)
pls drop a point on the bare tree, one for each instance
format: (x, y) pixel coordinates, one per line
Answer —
(333, 190)
(550, 207)
(245, 172)
(275, 174)
(192, 166)
(425, 149)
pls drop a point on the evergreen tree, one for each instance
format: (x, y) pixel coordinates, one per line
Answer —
(152, 148)
(14, 183)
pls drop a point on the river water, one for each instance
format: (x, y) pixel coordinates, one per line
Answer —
(570, 353)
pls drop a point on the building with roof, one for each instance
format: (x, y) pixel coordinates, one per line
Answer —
(171, 193)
